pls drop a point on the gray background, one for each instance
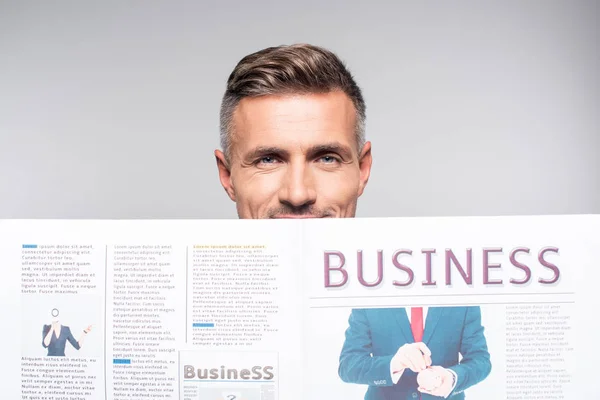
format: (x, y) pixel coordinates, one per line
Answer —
(110, 109)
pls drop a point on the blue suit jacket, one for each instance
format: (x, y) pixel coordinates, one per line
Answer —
(374, 335)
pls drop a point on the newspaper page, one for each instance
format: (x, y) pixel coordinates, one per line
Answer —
(503, 308)
(120, 310)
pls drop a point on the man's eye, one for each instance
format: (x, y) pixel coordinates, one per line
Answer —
(267, 160)
(329, 159)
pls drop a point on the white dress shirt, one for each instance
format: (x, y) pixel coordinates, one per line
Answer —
(408, 314)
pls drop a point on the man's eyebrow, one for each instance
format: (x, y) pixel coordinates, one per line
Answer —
(334, 147)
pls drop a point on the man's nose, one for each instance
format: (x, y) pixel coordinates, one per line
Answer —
(298, 187)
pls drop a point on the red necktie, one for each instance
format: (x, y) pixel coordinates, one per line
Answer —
(416, 323)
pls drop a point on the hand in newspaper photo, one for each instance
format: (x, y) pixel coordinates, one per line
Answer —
(436, 381)
(414, 356)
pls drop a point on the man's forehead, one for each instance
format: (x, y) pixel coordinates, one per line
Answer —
(300, 121)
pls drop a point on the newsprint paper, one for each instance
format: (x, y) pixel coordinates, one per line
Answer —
(494, 308)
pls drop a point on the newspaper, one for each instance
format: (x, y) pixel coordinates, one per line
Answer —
(498, 308)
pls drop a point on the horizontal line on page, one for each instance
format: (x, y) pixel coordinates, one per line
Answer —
(444, 305)
(441, 295)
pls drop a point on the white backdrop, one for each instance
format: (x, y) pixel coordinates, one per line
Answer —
(109, 109)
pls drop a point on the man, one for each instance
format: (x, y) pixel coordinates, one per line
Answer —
(293, 146)
(293, 136)
(414, 353)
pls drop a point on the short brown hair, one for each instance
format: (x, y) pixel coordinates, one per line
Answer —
(289, 69)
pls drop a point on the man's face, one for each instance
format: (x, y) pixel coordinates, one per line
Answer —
(295, 157)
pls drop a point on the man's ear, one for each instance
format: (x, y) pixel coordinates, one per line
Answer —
(225, 174)
(365, 161)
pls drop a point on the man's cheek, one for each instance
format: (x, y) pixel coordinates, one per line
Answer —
(260, 192)
(340, 191)
(266, 186)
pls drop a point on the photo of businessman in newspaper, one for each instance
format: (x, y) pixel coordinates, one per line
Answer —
(417, 352)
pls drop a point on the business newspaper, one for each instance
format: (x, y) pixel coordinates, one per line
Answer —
(497, 308)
